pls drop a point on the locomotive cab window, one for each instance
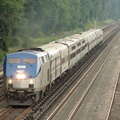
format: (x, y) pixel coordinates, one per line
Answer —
(29, 60)
(14, 60)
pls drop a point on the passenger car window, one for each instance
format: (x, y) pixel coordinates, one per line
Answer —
(73, 47)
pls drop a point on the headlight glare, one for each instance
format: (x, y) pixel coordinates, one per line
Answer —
(31, 81)
(9, 81)
(21, 76)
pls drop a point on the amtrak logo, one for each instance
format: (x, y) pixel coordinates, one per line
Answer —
(19, 66)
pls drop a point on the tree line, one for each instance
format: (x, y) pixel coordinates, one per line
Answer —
(21, 20)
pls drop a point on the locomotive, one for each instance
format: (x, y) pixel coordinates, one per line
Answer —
(29, 73)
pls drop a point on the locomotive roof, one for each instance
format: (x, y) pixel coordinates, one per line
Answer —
(29, 52)
(53, 47)
(70, 41)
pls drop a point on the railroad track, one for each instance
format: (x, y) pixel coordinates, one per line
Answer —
(34, 113)
(5, 112)
(107, 27)
(80, 100)
(114, 107)
(1, 70)
(41, 107)
(24, 113)
(9, 113)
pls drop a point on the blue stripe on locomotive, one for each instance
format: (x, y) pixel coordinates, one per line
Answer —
(30, 69)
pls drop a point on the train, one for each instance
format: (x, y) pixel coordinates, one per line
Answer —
(29, 73)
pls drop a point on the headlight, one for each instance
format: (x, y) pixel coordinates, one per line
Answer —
(10, 84)
(21, 76)
(31, 81)
(31, 85)
(9, 81)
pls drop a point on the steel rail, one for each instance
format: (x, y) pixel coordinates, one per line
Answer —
(44, 109)
(24, 113)
(112, 100)
(73, 89)
(5, 112)
(79, 102)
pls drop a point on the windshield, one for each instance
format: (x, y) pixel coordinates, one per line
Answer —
(25, 60)
(29, 60)
(24, 65)
(14, 60)
(22, 62)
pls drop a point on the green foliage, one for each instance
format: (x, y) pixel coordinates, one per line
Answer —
(10, 14)
(27, 23)
(114, 10)
(2, 54)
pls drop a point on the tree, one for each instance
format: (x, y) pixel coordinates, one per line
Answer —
(10, 15)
